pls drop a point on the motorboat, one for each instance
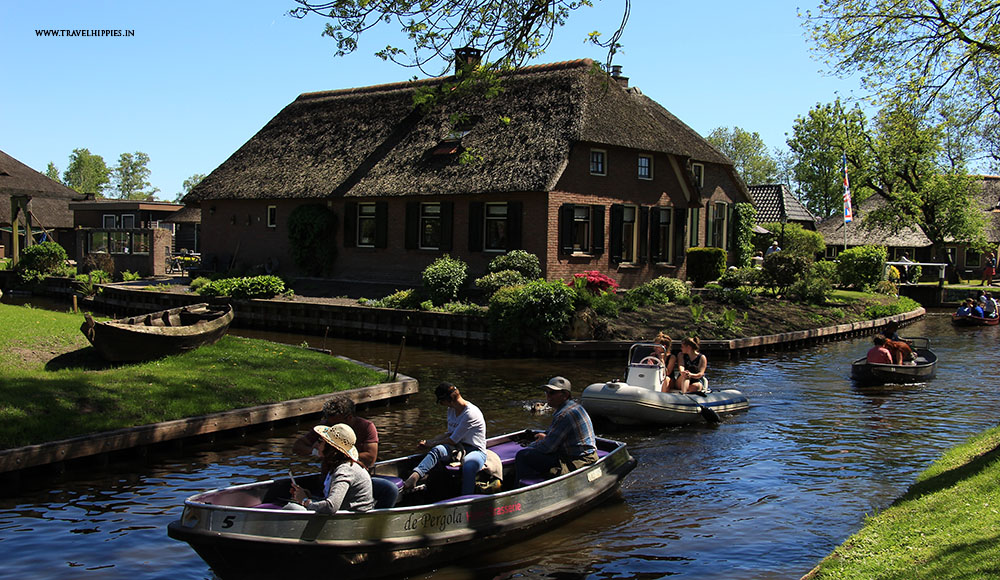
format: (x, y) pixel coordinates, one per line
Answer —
(158, 334)
(243, 532)
(922, 369)
(638, 400)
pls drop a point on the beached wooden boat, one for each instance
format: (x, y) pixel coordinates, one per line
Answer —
(241, 532)
(638, 401)
(925, 368)
(158, 334)
(973, 320)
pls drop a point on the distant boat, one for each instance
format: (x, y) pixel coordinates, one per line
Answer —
(158, 334)
(973, 320)
(925, 368)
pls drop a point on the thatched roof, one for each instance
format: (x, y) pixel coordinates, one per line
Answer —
(371, 141)
(50, 199)
(186, 215)
(832, 229)
(772, 200)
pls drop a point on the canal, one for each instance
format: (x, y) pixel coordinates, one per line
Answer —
(763, 495)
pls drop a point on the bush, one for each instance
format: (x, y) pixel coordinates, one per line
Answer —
(886, 287)
(519, 261)
(128, 276)
(797, 239)
(782, 269)
(103, 262)
(255, 287)
(892, 275)
(732, 296)
(812, 289)
(861, 267)
(593, 281)
(311, 234)
(46, 257)
(444, 278)
(198, 283)
(826, 269)
(534, 314)
(494, 281)
(736, 277)
(404, 299)
(745, 216)
(462, 308)
(705, 265)
(902, 305)
(606, 305)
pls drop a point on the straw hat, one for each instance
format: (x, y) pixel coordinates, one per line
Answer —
(340, 436)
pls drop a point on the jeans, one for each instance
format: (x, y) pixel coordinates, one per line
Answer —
(530, 463)
(384, 491)
(472, 462)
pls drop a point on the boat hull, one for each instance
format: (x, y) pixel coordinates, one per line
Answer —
(625, 404)
(158, 334)
(879, 374)
(240, 541)
(970, 320)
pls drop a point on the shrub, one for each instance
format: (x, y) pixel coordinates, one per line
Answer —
(494, 281)
(311, 234)
(797, 239)
(100, 261)
(782, 269)
(594, 281)
(886, 287)
(444, 278)
(462, 308)
(128, 276)
(827, 269)
(198, 283)
(812, 289)
(902, 305)
(519, 261)
(736, 277)
(254, 287)
(532, 315)
(732, 296)
(705, 265)
(606, 305)
(46, 257)
(892, 275)
(404, 299)
(744, 216)
(5, 263)
(861, 267)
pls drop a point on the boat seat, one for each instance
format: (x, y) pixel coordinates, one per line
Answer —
(525, 482)
(266, 506)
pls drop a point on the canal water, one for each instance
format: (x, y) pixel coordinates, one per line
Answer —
(763, 495)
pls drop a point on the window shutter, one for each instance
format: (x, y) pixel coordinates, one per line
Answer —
(350, 224)
(643, 233)
(447, 224)
(566, 228)
(597, 229)
(655, 253)
(615, 233)
(514, 209)
(476, 226)
(680, 230)
(412, 235)
(381, 224)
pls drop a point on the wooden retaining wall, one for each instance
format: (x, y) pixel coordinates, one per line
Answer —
(102, 444)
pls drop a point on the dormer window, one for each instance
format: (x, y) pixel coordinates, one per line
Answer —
(598, 162)
(645, 167)
(698, 171)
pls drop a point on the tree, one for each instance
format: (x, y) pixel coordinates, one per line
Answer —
(927, 50)
(52, 172)
(509, 33)
(747, 152)
(87, 173)
(131, 177)
(818, 143)
(188, 185)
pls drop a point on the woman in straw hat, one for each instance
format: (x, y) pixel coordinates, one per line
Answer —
(347, 484)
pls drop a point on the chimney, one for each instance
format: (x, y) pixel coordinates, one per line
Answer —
(467, 58)
(616, 73)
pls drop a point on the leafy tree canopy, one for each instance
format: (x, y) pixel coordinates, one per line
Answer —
(87, 173)
(188, 185)
(52, 172)
(131, 177)
(747, 152)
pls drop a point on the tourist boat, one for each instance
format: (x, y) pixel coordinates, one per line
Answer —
(242, 532)
(973, 320)
(868, 373)
(158, 334)
(638, 400)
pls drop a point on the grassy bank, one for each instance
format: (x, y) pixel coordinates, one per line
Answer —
(947, 526)
(55, 385)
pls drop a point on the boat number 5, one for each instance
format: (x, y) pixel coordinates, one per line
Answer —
(228, 521)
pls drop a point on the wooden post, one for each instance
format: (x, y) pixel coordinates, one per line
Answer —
(74, 304)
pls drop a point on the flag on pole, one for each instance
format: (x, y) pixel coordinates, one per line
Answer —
(848, 213)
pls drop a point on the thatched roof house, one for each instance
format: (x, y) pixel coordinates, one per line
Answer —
(774, 201)
(49, 201)
(563, 133)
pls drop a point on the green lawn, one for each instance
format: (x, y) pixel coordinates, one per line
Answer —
(54, 384)
(947, 526)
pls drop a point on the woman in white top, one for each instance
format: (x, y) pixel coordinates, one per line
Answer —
(466, 433)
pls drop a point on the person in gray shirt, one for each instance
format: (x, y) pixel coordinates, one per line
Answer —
(347, 484)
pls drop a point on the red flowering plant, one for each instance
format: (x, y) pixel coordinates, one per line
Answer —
(593, 281)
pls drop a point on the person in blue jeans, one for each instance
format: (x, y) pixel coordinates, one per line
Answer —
(567, 444)
(466, 435)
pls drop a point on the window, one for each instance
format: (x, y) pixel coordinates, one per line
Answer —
(140, 242)
(664, 232)
(430, 226)
(128, 222)
(109, 222)
(98, 243)
(645, 167)
(366, 225)
(630, 240)
(973, 259)
(581, 229)
(699, 174)
(598, 164)
(272, 216)
(718, 224)
(694, 223)
(495, 227)
(119, 242)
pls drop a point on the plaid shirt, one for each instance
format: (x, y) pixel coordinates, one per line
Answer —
(571, 434)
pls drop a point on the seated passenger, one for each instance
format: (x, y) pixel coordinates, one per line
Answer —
(966, 308)
(891, 331)
(902, 353)
(692, 367)
(990, 306)
(669, 360)
(466, 435)
(346, 483)
(879, 354)
(567, 444)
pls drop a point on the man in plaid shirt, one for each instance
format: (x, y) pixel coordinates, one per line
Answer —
(568, 443)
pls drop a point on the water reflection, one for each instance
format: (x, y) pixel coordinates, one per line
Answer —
(763, 495)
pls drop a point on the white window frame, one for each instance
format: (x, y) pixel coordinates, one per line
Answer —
(583, 214)
(630, 234)
(699, 173)
(366, 212)
(272, 216)
(649, 167)
(603, 156)
(490, 215)
(104, 221)
(427, 216)
(669, 257)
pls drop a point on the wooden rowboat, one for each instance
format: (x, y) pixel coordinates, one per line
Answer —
(242, 532)
(973, 320)
(925, 368)
(158, 334)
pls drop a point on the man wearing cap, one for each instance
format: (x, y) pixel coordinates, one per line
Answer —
(568, 443)
(347, 485)
(340, 409)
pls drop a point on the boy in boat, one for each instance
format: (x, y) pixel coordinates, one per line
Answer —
(567, 444)
(879, 354)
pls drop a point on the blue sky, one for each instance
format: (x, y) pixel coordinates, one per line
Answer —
(198, 79)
